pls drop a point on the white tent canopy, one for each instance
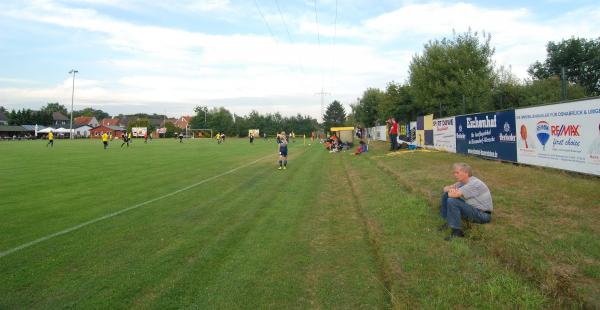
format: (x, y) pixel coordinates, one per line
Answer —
(62, 130)
(47, 130)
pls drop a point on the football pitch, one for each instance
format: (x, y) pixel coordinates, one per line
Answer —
(203, 225)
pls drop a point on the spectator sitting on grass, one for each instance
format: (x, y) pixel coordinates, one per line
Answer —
(362, 148)
(468, 198)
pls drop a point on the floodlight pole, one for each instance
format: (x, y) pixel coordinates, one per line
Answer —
(73, 71)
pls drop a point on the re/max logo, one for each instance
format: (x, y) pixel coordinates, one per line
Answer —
(565, 130)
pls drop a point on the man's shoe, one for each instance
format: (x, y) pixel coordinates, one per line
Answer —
(284, 167)
(279, 168)
(456, 233)
(443, 227)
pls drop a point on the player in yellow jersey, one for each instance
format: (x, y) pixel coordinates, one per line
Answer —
(50, 139)
(105, 140)
(129, 136)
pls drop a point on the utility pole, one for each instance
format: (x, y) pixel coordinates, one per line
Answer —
(73, 71)
(322, 93)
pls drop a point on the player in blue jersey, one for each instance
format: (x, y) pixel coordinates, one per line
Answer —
(283, 151)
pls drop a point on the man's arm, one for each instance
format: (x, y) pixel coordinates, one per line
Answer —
(449, 187)
(454, 193)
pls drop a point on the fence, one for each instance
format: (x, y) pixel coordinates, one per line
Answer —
(564, 136)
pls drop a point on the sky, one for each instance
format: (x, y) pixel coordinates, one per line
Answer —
(135, 56)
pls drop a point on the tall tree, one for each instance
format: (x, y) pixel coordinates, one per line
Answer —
(397, 103)
(335, 115)
(55, 107)
(366, 111)
(98, 114)
(580, 59)
(452, 68)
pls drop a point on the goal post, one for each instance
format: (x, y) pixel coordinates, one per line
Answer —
(202, 133)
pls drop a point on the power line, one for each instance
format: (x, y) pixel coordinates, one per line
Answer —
(289, 35)
(333, 44)
(322, 92)
(273, 34)
(317, 22)
(283, 21)
(265, 20)
(319, 40)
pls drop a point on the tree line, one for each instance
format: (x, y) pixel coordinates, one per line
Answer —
(222, 120)
(43, 116)
(457, 75)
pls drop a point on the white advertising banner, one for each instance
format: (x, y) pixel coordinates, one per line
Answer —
(413, 131)
(139, 131)
(378, 133)
(564, 136)
(444, 134)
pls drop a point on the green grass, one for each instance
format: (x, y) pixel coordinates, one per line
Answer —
(332, 231)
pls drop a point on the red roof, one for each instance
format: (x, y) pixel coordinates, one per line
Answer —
(110, 122)
(83, 120)
(102, 128)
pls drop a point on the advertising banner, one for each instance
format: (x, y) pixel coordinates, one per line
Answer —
(564, 136)
(378, 133)
(444, 134)
(490, 135)
(139, 131)
(403, 131)
(413, 131)
(254, 132)
(424, 130)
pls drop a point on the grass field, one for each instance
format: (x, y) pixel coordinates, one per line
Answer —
(218, 226)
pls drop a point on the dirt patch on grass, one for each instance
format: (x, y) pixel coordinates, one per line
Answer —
(387, 270)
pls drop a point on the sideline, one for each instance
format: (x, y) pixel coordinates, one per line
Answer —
(107, 216)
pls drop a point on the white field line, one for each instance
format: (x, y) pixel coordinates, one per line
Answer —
(107, 216)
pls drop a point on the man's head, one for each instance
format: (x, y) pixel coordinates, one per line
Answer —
(462, 172)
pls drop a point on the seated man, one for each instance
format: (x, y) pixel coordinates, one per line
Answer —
(468, 198)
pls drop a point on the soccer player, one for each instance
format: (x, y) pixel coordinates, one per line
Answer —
(50, 139)
(129, 138)
(125, 139)
(223, 137)
(146, 137)
(105, 140)
(283, 151)
(218, 138)
(251, 138)
(181, 137)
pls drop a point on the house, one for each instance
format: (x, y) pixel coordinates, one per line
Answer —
(168, 120)
(113, 131)
(59, 120)
(85, 120)
(82, 131)
(110, 122)
(124, 122)
(183, 122)
(3, 119)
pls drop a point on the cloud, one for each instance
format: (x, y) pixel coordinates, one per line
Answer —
(153, 67)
